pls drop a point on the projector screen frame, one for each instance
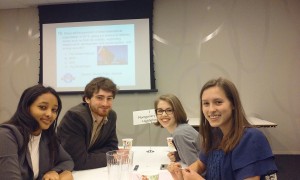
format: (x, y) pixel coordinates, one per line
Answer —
(66, 13)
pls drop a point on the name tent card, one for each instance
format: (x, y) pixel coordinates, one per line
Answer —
(144, 117)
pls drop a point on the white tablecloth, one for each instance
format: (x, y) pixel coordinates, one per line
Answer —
(146, 161)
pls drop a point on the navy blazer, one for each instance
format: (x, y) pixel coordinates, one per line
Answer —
(19, 166)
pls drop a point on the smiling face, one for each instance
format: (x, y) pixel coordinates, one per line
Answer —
(101, 102)
(217, 108)
(166, 120)
(44, 110)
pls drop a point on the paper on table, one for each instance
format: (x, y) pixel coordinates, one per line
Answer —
(163, 175)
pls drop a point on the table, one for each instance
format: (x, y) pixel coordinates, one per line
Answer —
(256, 122)
(259, 123)
(146, 161)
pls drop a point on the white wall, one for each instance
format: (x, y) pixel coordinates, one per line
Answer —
(253, 43)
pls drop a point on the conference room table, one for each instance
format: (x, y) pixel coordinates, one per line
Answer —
(146, 161)
(256, 122)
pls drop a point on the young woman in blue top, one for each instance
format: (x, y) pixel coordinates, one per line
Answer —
(232, 149)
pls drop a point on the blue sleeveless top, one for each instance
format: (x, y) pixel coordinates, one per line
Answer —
(251, 157)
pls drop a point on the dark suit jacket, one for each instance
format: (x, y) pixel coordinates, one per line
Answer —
(19, 166)
(75, 131)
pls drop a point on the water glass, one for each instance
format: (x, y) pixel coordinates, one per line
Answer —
(119, 164)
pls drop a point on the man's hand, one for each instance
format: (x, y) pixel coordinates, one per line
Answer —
(51, 175)
(66, 175)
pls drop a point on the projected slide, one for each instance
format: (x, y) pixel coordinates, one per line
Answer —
(100, 50)
(76, 52)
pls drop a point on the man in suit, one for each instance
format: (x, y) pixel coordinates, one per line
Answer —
(88, 130)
